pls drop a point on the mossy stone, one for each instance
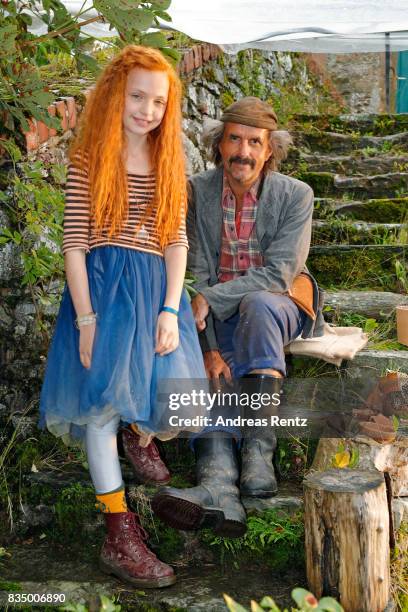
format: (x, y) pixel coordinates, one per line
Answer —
(370, 268)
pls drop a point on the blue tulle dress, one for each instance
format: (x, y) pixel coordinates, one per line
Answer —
(127, 288)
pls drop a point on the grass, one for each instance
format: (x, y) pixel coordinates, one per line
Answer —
(273, 538)
(382, 334)
(399, 569)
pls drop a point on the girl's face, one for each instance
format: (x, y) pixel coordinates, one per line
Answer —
(145, 101)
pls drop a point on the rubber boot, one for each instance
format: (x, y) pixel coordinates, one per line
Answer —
(257, 472)
(125, 554)
(146, 462)
(215, 501)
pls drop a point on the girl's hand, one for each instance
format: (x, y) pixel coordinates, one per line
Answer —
(167, 333)
(86, 340)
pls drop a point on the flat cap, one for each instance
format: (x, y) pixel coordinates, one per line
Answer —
(251, 111)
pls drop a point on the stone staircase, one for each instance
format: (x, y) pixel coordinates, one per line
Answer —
(358, 168)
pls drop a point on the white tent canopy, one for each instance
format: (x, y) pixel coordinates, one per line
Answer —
(318, 26)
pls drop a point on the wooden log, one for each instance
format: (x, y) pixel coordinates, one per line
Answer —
(374, 304)
(399, 481)
(347, 538)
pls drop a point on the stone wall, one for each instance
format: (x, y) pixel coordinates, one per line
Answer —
(360, 79)
(209, 89)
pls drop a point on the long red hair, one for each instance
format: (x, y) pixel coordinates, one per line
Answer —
(100, 143)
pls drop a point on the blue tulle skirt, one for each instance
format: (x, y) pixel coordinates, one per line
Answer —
(127, 289)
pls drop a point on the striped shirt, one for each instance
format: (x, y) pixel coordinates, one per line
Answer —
(79, 226)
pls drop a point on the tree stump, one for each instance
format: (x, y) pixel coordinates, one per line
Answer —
(347, 538)
(372, 455)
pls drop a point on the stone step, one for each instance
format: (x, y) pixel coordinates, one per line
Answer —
(325, 184)
(358, 266)
(345, 231)
(294, 502)
(371, 124)
(354, 164)
(377, 210)
(333, 142)
(374, 304)
(372, 363)
(199, 588)
(288, 500)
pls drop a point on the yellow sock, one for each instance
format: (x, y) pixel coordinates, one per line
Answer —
(135, 428)
(112, 502)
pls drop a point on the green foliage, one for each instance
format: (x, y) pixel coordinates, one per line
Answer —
(399, 568)
(189, 280)
(306, 601)
(35, 202)
(273, 538)
(22, 91)
(106, 604)
(293, 456)
(362, 269)
(249, 65)
(75, 507)
(11, 587)
(17, 457)
(346, 456)
(401, 272)
(382, 333)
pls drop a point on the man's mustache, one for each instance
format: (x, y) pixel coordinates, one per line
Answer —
(245, 161)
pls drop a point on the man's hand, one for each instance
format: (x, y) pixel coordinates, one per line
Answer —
(215, 367)
(201, 308)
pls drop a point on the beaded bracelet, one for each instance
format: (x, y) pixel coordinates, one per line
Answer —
(86, 319)
(170, 309)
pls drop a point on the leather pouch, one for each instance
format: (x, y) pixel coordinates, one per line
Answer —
(302, 293)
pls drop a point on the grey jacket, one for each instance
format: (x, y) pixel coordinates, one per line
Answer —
(283, 226)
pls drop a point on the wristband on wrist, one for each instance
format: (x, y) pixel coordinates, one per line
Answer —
(170, 309)
(86, 319)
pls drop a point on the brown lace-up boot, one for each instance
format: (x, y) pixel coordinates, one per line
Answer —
(125, 554)
(146, 461)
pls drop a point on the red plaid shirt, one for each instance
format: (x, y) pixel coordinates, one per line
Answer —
(239, 248)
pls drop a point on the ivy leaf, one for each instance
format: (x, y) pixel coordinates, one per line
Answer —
(154, 39)
(8, 35)
(160, 5)
(123, 15)
(163, 15)
(355, 456)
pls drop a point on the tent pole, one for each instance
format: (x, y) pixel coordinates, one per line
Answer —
(387, 71)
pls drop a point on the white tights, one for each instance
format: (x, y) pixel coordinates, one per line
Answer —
(103, 458)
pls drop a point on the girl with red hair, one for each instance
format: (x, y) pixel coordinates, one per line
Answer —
(125, 325)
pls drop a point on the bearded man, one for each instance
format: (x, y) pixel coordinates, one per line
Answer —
(249, 231)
